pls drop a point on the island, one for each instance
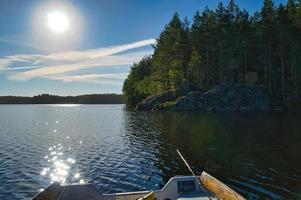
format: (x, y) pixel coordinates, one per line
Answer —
(54, 99)
(223, 60)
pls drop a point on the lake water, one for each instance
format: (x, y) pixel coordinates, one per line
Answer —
(259, 155)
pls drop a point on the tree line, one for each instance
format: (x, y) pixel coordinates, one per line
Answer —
(225, 45)
(54, 99)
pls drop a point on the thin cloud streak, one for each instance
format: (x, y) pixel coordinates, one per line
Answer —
(112, 79)
(60, 69)
(76, 55)
(56, 64)
(19, 68)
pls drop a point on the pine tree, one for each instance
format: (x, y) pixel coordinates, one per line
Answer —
(202, 35)
(244, 40)
(293, 9)
(171, 54)
(221, 43)
(268, 27)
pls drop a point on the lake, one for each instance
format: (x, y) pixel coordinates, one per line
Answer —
(259, 155)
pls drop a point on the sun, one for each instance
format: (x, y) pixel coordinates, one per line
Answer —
(57, 21)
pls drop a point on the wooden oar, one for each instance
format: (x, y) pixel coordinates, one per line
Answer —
(219, 189)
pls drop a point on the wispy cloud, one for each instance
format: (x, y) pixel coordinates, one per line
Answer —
(45, 71)
(53, 66)
(113, 79)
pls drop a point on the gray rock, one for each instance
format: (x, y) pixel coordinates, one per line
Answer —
(225, 98)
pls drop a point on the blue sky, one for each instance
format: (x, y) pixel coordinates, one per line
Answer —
(95, 52)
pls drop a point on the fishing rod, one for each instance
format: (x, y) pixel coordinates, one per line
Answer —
(189, 168)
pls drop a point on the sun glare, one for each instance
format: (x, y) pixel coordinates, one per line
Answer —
(57, 21)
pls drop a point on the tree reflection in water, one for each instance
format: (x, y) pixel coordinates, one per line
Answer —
(256, 154)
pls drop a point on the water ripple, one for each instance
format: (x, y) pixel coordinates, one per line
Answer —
(120, 151)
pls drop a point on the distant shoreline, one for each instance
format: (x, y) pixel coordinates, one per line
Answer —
(62, 103)
(54, 99)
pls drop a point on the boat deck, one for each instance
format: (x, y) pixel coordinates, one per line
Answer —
(177, 188)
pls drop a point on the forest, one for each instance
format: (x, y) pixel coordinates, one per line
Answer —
(226, 45)
(54, 99)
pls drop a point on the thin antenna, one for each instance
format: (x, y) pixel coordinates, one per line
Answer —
(186, 163)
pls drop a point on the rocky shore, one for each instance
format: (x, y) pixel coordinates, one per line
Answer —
(221, 98)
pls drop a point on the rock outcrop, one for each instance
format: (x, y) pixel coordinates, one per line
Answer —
(152, 102)
(222, 98)
(225, 98)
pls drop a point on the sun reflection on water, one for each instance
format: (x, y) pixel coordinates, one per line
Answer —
(61, 167)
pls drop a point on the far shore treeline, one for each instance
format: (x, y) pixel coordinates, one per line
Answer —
(53, 99)
(225, 45)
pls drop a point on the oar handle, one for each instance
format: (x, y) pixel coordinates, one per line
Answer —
(219, 189)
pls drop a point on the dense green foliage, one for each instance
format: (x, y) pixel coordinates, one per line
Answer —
(225, 45)
(53, 99)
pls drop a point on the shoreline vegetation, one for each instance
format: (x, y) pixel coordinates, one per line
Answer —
(224, 46)
(54, 99)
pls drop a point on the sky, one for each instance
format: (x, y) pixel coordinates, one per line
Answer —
(73, 47)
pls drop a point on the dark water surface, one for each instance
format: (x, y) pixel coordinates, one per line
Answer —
(259, 155)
